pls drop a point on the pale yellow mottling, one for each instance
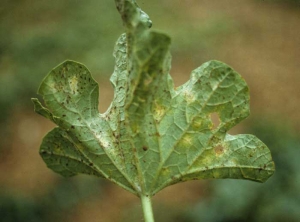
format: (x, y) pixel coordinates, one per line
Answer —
(159, 111)
(197, 123)
(187, 140)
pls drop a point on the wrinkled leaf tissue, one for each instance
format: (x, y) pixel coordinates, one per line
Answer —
(152, 135)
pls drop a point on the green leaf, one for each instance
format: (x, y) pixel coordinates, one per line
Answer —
(152, 135)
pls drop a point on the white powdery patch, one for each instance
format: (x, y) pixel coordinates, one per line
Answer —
(107, 144)
(189, 96)
(104, 142)
(74, 84)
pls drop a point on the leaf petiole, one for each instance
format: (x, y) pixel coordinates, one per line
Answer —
(147, 208)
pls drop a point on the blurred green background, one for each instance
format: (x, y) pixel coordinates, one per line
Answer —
(260, 39)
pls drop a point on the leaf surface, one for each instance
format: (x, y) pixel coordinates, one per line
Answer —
(153, 135)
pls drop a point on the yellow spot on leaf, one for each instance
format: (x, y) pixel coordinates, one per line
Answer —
(197, 123)
(187, 140)
(159, 111)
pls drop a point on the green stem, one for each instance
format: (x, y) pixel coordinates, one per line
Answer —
(147, 208)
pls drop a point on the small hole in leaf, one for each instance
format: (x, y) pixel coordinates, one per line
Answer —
(215, 120)
(106, 94)
(219, 150)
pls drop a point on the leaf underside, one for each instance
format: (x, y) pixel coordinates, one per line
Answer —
(152, 135)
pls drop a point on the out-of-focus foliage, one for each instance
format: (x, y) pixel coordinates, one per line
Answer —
(53, 206)
(293, 2)
(276, 200)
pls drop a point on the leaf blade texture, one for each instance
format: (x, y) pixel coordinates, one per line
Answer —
(152, 135)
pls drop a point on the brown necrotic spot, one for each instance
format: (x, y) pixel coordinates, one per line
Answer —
(145, 148)
(219, 150)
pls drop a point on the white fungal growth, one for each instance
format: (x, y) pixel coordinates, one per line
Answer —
(189, 96)
(73, 84)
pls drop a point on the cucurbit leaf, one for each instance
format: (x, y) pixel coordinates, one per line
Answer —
(152, 135)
